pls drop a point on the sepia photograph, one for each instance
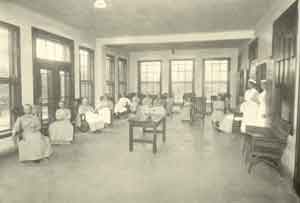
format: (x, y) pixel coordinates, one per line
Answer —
(149, 101)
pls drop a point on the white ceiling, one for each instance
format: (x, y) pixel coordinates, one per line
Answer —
(150, 17)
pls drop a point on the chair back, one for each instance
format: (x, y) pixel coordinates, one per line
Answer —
(198, 107)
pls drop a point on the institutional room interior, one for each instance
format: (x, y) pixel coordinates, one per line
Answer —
(149, 101)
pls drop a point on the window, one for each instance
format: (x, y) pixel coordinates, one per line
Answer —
(86, 57)
(122, 75)
(51, 50)
(10, 85)
(149, 77)
(110, 76)
(182, 80)
(216, 77)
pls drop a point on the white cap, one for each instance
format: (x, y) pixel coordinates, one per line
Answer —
(252, 81)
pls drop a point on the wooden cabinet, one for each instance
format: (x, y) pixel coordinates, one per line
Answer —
(284, 55)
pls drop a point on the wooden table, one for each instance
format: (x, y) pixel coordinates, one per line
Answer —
(148, 126)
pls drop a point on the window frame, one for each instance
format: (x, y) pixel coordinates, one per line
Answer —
(14, 79)
(139, 74)
(170, 74)
(120, 59)
(91, 81)
(228, 59)
(111, 83)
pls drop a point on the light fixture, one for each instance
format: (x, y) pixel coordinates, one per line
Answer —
(100, 4)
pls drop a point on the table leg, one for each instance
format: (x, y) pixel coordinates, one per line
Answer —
(130, 138)
(155, 141)
(164, 130)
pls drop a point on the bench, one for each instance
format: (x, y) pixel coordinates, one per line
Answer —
(266, 144)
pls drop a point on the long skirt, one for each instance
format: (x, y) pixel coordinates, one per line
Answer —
(95, 121)
(61, 132)
(105, 114)
(34, 146)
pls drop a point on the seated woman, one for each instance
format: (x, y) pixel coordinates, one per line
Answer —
(135, 102)
(122, 105)
(94, 120)
(104, 109)
(62, 131)
(32, 144)
(186, 109)
(147, 101)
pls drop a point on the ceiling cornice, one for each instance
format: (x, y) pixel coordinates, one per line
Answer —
(178, 38)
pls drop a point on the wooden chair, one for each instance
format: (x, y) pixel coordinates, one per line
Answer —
(198, 108)
(212, 100)
(266, 144)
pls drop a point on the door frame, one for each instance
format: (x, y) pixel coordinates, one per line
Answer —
(47, 64)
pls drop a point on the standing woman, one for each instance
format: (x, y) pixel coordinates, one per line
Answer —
(32, 145)
(250, 107)
(264, 110)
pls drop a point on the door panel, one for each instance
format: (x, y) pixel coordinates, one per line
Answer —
(55, 85)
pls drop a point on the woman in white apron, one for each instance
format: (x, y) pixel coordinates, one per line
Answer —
(264, 112)
(250, 107)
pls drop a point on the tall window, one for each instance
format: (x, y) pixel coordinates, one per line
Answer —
(110, 76)
(149, 77)
(86, 57)
(122, 76)
(216, 77)
(10, 85)
(182, 80)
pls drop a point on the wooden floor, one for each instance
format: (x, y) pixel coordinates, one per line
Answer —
(195, 165)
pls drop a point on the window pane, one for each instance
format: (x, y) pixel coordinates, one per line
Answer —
(150, 77)
(110, 69)
(54, 51)
(86, 74)
(216, 77)
(4, 107)
(182, 78)
(4, 52)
